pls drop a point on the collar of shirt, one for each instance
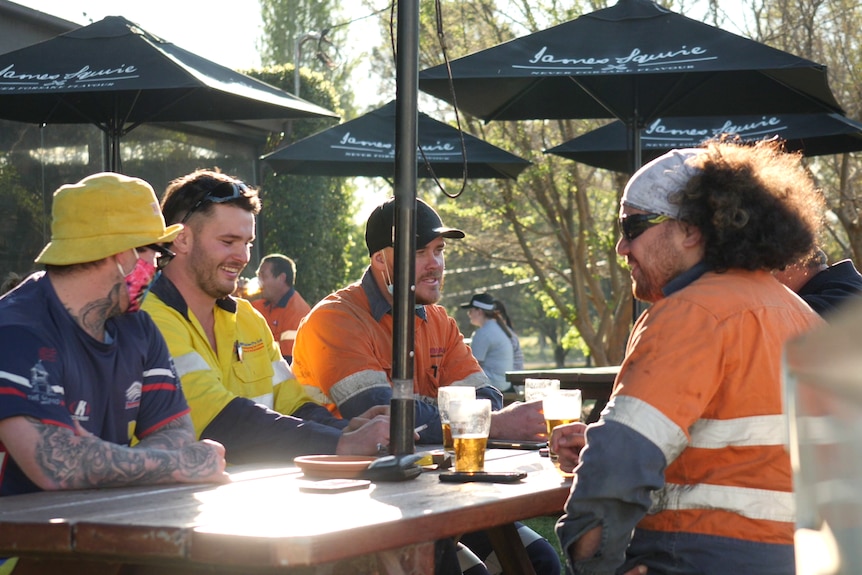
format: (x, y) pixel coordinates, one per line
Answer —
(286, 298)
(685, 278)
(379, 305)
(171, 296)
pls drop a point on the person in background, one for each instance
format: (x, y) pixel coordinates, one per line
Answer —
(82, 374)
(825, 288)
(241, 391)
(517, 353)
(343, 356)
(491, 343)
(687, 469)
(280, 303)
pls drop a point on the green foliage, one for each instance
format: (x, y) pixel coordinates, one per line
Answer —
(21, 229)
(306, 217)
(310, 33)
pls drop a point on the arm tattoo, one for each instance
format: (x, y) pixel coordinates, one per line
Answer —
(173, 435)
(74, 462)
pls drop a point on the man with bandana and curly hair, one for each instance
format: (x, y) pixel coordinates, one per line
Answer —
(687, 470)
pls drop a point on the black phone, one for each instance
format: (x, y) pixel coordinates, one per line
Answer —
(515, 444)
(483, 476)
(334, 485)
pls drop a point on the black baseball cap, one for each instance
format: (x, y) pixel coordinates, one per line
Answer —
(380, 227)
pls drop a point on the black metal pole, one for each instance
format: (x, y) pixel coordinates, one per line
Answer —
(406, 140)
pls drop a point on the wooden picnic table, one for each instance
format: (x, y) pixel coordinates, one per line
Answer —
(262, 523)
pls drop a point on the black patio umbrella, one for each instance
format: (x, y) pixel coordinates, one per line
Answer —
(635, 62)
(117, 76)
(365, 146)
(811, 134)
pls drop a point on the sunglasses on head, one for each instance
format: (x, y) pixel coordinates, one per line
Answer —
(224, 192)
(633, 225)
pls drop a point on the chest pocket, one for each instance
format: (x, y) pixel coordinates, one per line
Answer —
(252, 378)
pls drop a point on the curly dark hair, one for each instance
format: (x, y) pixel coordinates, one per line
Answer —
(756, 205)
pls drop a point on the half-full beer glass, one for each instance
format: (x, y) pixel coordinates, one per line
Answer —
(535, 388)
(470, 420)
(561, 407)
(444, 396)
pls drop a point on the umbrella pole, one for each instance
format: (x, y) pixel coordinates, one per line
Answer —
(635, 134)
(402, 405)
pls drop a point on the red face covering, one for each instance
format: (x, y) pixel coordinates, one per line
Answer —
(138, 282)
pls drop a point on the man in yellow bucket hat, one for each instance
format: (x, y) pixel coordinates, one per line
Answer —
(81, 377)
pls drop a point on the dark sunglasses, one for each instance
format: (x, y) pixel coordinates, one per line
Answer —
(163, 255)
(633, 225)
(224, 192)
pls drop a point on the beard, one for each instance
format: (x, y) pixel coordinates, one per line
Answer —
(429, 296)
(654, 272)
(206, 272)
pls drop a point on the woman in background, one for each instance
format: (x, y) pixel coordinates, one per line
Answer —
(491, 343)
(517, 354)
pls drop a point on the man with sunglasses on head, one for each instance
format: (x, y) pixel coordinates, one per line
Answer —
(81, 375)
(241, 391)
(687, 470)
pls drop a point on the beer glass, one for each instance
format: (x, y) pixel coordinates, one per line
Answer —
(538, 388)
(444, 396)
(470, 420)
(560, 407)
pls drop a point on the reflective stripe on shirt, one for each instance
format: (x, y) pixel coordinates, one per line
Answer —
(761, 504)
(648, 421)
(265, 399)
(317, 395)
(189, 363)
(356, 383)
(280, 372)
(741, 431)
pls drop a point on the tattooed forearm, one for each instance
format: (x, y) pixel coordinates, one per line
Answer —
(74, 462)
(174, 435)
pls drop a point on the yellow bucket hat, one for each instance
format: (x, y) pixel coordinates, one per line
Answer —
(102, 215)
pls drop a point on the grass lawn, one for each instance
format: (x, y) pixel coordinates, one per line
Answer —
(544, 526)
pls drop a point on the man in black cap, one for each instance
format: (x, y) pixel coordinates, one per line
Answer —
(343, 350)
(343, 353)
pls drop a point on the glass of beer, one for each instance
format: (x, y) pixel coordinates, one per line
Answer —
(538, 388)
(444, 396)
(470, 420)
(561, 407)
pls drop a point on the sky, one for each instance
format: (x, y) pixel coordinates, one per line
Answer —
(226, 33)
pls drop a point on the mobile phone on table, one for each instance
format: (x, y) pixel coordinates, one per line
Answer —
(334, 485)
(515, 444)
(482, 476)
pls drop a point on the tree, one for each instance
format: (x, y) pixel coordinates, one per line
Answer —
(306, 217)
(557, 222)
(308, 33)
